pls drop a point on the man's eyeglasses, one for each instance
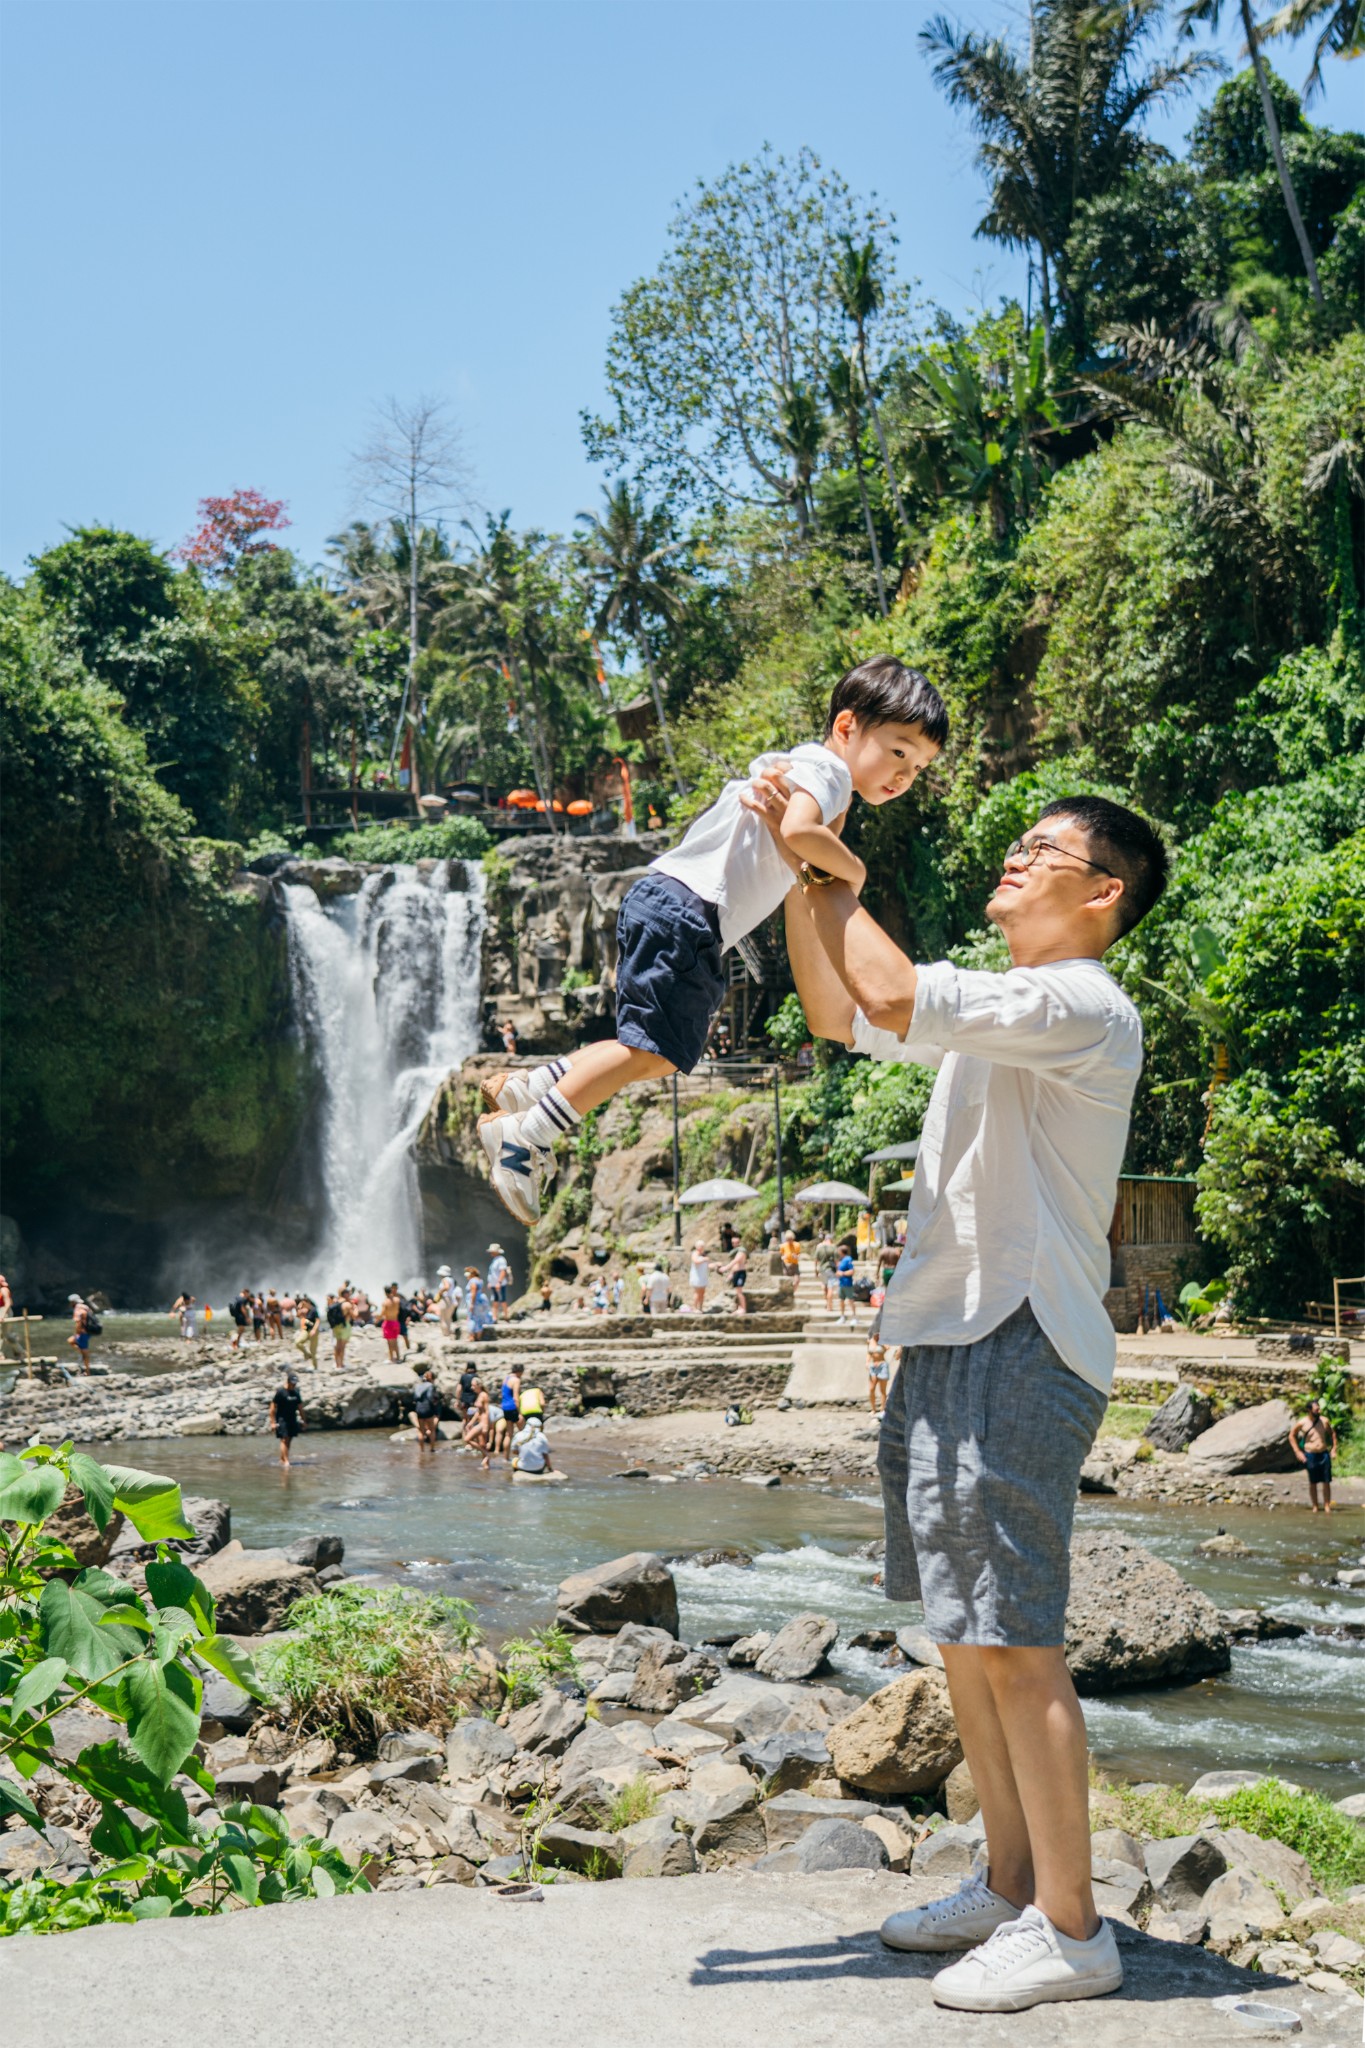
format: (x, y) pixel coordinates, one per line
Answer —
(1028, 850)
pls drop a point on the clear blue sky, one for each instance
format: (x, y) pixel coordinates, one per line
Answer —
(232, 225)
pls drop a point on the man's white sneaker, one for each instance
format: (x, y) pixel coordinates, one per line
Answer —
(967, 1916)
(1028, 1962)
(508, 1093)
(518, 1171)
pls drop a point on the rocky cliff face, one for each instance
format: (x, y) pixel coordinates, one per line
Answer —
(550, 944)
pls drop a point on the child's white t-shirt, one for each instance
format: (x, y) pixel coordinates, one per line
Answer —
(727, 857)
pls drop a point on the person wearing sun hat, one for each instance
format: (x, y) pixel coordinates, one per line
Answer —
(445, 1301)
(499, 1282)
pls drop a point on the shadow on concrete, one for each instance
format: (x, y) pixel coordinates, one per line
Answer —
(1154, 1971)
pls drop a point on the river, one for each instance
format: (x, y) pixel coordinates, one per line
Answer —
(1294, 1707)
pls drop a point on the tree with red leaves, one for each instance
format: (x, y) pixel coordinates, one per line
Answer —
(228, 531)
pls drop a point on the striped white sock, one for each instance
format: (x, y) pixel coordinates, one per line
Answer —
(541, 1080)
(550, 1118)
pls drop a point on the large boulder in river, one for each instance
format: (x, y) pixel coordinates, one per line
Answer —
(799, 1649)
(71, 1525)
(364, 1407)
(638, 1587)
(253, 1590)
(1185, 1415)
(902, 1740)
(1249, 1440)
(1132, 1620)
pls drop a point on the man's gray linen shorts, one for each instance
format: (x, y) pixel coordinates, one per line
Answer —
(981, 1451)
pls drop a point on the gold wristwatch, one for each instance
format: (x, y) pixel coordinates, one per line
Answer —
(813, 878)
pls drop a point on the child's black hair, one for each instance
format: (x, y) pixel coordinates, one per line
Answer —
(883, 691)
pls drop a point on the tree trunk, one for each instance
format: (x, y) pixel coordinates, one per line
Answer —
(867, 521)
(306, 763)
(1272, 129)
(881, 437)
(648, 653)
(1045, 293)
(415, 710)
(355, 798)
(540, 757)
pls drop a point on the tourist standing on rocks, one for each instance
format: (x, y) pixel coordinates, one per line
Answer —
(239, 1308)
(310, 1329)
(737, 1276)
(446, 1308)
(389, 1325)
(286, 1414)
(183, 1307)
(999, 1299)
(273, 1318)
(843, 1274)
(884, 724)
(499, 1283)
(656, 1290)
(258, 1318)
(480, 1313)
(339, 1325)
(1313, 1440)
(79, 1339)
(509, 1411)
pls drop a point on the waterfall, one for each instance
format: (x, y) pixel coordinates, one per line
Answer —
(387, 992)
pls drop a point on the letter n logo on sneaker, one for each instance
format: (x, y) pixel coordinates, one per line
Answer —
(516, 1158)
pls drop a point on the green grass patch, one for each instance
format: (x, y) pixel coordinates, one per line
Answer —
(637, 1799)
(1348, 1460)
(363, 1660)
(535, 1661)
(1332, 1845)
(1126, 1418)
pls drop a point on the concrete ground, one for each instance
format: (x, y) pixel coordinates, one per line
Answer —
(729, 1961)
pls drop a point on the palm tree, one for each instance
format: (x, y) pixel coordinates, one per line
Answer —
(1208, 12)
(800, 435)
(626, 549)
(381, 580)
(841, 386)
(1058, 125)
(1343, 36)
(499, 621)
(983, 423)
(861, 294)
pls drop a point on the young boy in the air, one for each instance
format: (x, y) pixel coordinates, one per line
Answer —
(885, 725)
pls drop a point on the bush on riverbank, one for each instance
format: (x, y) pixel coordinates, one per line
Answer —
(360, 1661)
(1332, 1844)
(451, 839)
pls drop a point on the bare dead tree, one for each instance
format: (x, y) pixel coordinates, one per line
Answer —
(412, 469)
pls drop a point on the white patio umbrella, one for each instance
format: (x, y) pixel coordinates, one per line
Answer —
(831, 1191)
(717, 1191)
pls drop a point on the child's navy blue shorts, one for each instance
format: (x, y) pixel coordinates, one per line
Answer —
(669, 983)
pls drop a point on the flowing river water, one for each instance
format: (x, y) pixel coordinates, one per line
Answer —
(1294, 1707)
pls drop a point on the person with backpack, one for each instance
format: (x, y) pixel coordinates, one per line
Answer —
(310, 1329)
(339, 1324)
(85, 1324)
(240, 1311)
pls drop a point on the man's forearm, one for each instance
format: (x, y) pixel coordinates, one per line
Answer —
(870, 966)
(825, 1000)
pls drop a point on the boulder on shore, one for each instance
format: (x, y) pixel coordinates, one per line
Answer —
(1182, 1417)
(1249, 1440)
(1132, 1620)
(799, 1649)
(72, 1526)
(253, 1590)
(901, 1740)
(638, 1587)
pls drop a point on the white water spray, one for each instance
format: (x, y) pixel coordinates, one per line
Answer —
(387, 992)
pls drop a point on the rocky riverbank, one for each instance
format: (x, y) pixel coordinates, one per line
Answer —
(643, 1756)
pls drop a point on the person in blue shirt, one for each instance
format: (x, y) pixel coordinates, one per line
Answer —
(844, 1274)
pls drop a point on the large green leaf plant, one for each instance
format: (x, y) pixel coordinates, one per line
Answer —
(81, 1637)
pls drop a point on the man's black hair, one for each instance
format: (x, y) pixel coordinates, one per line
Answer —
(1124, 843)
(884, 691)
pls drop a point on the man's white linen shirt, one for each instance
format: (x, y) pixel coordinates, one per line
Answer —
(1019, 1156)
(727, 856)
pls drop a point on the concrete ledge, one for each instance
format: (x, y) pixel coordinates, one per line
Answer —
(829, 1374)
(691, 1962)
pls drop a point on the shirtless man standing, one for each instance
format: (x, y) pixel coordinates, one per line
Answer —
(1313, 1440)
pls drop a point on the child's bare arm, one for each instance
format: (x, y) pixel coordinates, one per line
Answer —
(810, 839)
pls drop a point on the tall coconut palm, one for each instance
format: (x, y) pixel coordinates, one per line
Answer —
(862, 295)
(1209, 12)
(1342, 36)
(626, 549)
(845, 397)
(499, 620)
(1059, 123)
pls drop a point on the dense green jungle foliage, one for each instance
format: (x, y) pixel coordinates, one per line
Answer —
(1120, 529)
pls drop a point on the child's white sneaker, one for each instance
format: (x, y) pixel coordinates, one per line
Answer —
(1029, 1962)
(517, 1170)
(507, 1093)
(964, 1918)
